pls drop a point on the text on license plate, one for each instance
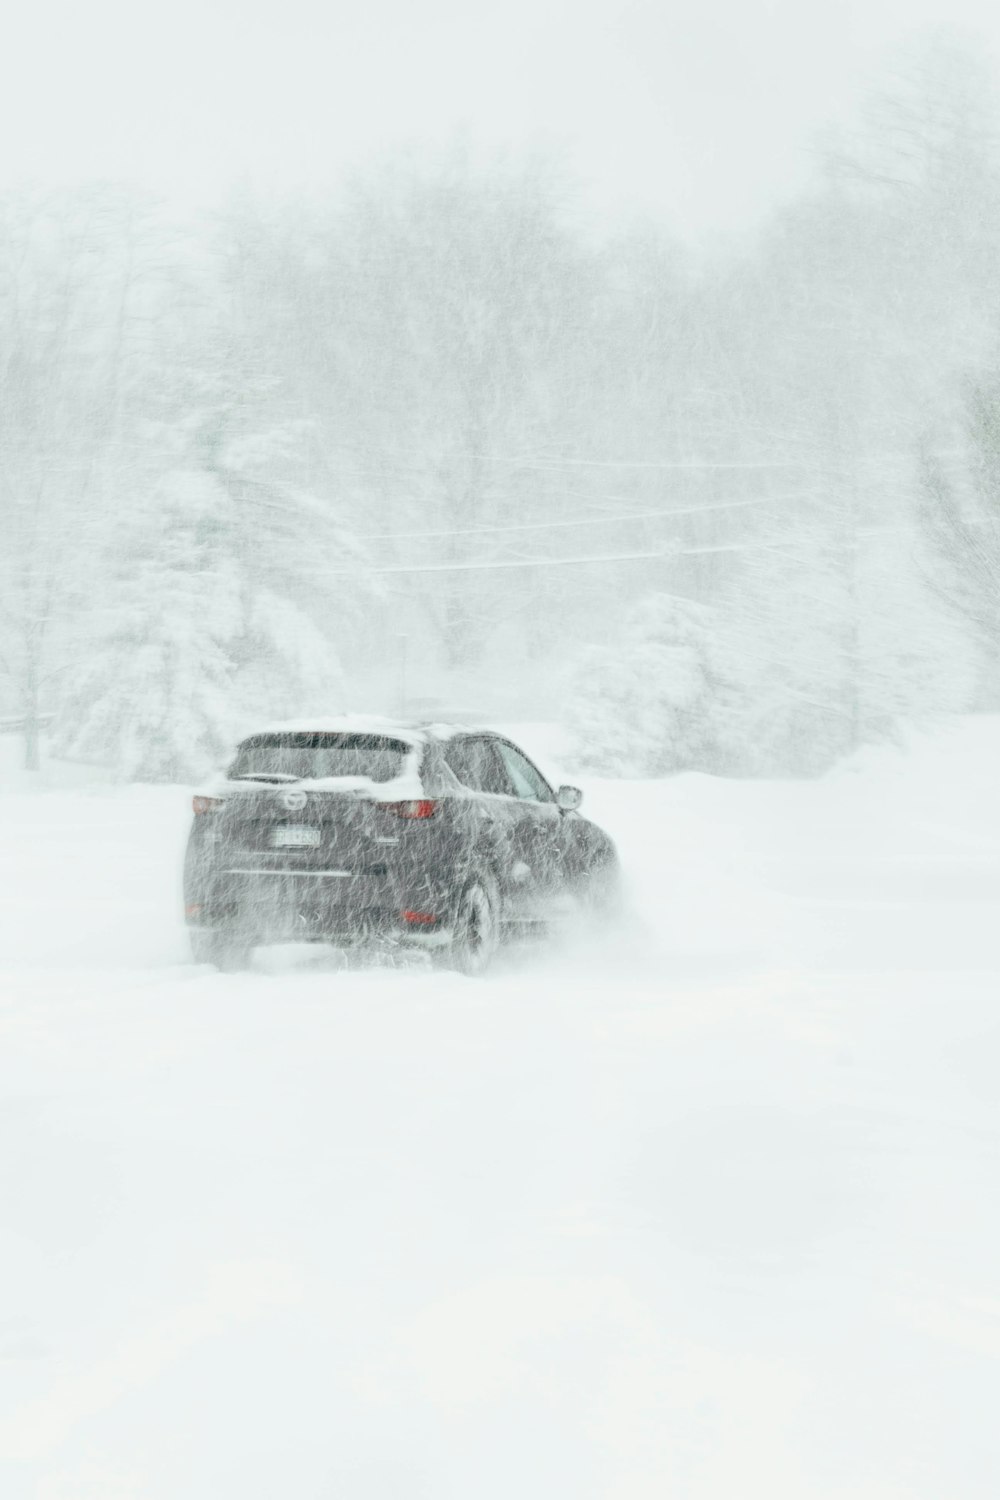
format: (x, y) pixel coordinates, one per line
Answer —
(294, 836)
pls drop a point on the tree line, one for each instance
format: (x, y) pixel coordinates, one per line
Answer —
(439, 440)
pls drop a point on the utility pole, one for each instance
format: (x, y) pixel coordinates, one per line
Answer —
(402, 693)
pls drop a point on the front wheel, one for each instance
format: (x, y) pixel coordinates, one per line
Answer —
(477, 930)
(600, 892)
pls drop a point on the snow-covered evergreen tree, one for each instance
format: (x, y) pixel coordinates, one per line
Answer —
(230, 596)
(652, 702)
(154, 696)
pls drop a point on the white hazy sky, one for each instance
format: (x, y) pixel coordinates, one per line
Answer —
(699, 110)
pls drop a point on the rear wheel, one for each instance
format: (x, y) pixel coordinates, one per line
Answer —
(226, 950)
(477, 930)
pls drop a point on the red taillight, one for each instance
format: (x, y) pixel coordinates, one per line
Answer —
(203, 805)
(421, 918)
(421, 808)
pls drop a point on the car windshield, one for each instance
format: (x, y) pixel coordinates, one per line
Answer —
(312, 756)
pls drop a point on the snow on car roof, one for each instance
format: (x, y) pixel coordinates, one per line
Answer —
(412, 733)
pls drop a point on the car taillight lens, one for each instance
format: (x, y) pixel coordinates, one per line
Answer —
(203, 805)
(420, 808)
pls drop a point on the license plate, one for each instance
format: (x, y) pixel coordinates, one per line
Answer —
(294, 836)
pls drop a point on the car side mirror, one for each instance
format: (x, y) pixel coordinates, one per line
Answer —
(569, 798)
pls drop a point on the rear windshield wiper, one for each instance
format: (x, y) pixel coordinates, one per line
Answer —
(264, 776)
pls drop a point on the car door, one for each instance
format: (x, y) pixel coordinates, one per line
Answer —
(507, 828)
(538, 826)
(474, 763)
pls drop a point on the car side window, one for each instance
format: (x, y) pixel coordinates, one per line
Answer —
(459, 759)
(528, 783)
(477, 766)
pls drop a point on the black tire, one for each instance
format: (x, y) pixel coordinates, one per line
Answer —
(477, 929)
(225, 950)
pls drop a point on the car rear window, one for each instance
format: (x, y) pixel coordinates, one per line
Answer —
(312, 756)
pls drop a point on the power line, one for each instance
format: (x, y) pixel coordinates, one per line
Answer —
(543, 461)
(564, 562)
(473, 567)
(642, 463)
(608, 520)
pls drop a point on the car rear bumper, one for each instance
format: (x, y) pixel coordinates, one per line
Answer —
(280, 905)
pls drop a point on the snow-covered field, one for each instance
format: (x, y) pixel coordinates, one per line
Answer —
(706, 1209)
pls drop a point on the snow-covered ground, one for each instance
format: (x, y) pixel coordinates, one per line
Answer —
(705, 1209)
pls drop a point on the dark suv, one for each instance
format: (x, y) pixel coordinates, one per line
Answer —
(368, 832)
